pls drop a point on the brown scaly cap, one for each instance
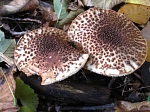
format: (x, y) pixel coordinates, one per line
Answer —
(115, 44)
(45, 52)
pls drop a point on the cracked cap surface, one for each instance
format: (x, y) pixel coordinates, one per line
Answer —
(116, 46)
(45, 52)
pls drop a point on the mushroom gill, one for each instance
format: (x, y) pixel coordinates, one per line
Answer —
(46, 52)
(116, 46)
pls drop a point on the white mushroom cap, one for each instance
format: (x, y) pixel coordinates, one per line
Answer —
(115, 44)
(45, 52)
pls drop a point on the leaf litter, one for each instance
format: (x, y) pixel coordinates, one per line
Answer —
(7, 90)
(63, 12)
(27, 97)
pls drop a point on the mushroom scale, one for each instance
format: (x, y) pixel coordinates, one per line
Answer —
(47, 53)
(115, 44)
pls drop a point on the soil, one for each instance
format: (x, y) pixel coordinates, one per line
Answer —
(132, 88)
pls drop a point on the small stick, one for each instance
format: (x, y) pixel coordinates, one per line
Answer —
(88, 107)
(111, 82)
(25, 19)
(17, 33)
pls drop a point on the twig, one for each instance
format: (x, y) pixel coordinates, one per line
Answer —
(138, 76)
(17, 33)
(111, 82)
(18, 24)
(14, 33)
(87, 108)
(82, 72)
(126, 81)
(137, 89)
(25, 19)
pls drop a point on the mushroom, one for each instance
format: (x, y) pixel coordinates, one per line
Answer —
(46, 52)
(116, 46)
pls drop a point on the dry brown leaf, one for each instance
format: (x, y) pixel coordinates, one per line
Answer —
(104, 4)
(80, 4)
(6, 59)
(87, 3)
(66, 26)
(124, 106)
(6, 99)
(9, 7)
(75, 5)
(137, 13)
(146, 33)
(48, 14)
(142, 2)
(30, 6)
(69, 17)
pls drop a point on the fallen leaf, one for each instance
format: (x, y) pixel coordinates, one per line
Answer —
(6, 59)
(75, 5)
(148, 98)
(60, 7)
(7, 82)
(8, 7)
(137, 13)
(7, 46)
(69, 17)
(2, 36)
(4, 45)
(146, 33)
(48, 14)
(80, 4)
(142, 2)
(125, 106)
(27, 109)
(27, 97)
(10, 50)
(30, 6)
(88, 3)
(104, 4)
(66, 26)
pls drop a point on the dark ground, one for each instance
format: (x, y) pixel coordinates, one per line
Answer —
(130, 88)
